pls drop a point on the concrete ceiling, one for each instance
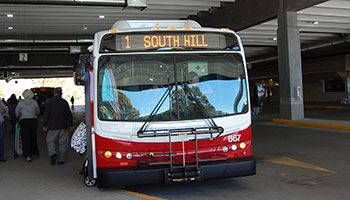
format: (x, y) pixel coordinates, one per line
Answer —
(322, 23)
(53, 24)
(37, 20)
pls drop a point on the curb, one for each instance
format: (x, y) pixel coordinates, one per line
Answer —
(312, 124)
(325, 107)
(321, 107)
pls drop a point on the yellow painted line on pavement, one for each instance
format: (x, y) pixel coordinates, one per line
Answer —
(139, 195)
(311, 124)
(319, 107)
(291, 162)
(326, 107)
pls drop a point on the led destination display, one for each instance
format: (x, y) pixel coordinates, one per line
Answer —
(168, 41)
(161, 41)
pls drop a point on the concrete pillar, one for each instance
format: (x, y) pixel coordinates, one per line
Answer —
(289, 65)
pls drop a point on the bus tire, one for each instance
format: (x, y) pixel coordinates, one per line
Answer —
(89, 182)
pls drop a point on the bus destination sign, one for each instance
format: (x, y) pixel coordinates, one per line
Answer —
(158, 41)
(168, 41)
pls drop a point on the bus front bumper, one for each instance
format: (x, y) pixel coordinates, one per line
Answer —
(114, 177)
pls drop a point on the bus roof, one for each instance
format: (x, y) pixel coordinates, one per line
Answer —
(124, 25)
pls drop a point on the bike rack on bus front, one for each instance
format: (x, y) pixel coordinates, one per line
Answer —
(188, 171)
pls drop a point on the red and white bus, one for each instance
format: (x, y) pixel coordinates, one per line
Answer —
(169, 103)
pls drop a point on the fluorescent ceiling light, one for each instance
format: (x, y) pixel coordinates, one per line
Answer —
(10, 27)
(85, 28)
(9, 15)
(101, 17)
(315, 22)
(274, 38)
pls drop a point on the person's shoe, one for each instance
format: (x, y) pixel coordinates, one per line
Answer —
(53, 159)
(29, 158)
(60, 163)
(2, 160)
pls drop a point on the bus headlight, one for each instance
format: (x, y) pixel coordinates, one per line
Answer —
(108, 154)
(225, 149)
(118, 155)
(242, 145)
(234, 147)
(129, 156)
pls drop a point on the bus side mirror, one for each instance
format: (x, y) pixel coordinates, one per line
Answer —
(259, 95)
(79, 69)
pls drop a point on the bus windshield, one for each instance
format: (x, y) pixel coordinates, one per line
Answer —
(171, 86)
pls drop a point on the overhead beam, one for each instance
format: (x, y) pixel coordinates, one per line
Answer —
(10, 60)
(41, 73)
(118, 3)
(333, 47)
(243, 14)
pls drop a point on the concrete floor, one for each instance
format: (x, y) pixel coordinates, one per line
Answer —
(292, 163)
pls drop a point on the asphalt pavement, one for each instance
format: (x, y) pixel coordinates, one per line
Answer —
(293, 162)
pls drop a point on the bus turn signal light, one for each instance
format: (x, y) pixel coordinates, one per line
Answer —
(242, 145)
(225, 30)
(108, 154)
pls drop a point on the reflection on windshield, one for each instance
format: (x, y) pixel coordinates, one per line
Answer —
(131, 86)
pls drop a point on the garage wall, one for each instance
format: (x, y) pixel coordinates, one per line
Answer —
(314, 92)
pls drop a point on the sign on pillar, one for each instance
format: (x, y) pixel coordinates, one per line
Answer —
(23, 57)
(299, 92)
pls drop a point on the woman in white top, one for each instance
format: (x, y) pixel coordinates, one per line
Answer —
(27, 111)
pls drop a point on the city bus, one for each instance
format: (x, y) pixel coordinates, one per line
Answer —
(167, 101)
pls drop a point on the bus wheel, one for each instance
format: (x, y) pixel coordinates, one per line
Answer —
(89, 182)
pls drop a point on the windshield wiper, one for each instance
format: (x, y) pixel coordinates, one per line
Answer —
(189, 92)
(154, 111)
(213, 129)
(239, 95)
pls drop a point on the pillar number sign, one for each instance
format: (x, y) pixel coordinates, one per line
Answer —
(299, 92)
(23, 57)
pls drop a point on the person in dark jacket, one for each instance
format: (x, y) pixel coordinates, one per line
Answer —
(12, 103)
(3, 112)
(57, 120)
(3, 101)
(27, 111)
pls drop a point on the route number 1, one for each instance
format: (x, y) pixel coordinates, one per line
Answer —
(127, 42)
